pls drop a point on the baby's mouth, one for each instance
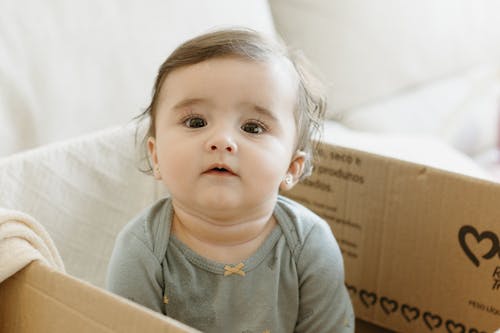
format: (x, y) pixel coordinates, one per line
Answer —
(220, 171)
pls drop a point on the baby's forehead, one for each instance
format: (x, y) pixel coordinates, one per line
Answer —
(274, 61)
(278, 69)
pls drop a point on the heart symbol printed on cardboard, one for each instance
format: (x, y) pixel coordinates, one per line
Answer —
(410, 313)
(432, 321)
(486, 235)
(452, 327)
(367, 298)
(388, 305)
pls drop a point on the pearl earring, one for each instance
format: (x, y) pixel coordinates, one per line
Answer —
(288, 179)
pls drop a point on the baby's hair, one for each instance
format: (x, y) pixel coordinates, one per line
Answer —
(248, 44)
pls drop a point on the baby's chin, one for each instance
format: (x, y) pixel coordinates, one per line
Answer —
(226, 205)
(222, 208)
(231, 211)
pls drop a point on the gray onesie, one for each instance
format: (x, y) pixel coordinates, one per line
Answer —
(293, 283)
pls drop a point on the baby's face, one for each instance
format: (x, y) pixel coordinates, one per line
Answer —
(225, 134)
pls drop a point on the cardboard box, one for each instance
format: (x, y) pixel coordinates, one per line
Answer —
(39, 299)
(421, 246)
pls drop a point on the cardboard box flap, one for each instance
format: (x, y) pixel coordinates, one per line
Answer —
(420, 245)
(39, 299)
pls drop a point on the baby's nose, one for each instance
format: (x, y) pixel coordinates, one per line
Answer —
(222, 143)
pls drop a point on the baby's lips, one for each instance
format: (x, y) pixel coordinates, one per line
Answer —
(220, 168)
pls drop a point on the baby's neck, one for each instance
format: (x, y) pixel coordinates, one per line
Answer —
(227, 241)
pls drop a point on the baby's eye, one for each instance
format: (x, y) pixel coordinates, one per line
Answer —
(253, 128)
(195, 122)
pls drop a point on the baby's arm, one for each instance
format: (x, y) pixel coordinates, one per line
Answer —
(325, 305)
(135, 273)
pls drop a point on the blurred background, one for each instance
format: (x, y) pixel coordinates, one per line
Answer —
(417, 80)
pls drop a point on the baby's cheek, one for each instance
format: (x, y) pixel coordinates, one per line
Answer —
(271, 169)
(176, 164)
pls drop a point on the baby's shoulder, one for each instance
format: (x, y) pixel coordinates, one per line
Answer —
(149, 225)
(300, 225)
(309, 237)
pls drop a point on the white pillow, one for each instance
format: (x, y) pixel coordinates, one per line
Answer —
(372, 49)
(462, 110)
(73, 67)
(424, 150)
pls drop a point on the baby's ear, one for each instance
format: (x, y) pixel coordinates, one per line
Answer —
(153, 157)
(294, 172)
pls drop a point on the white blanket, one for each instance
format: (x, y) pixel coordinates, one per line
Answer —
(23, 240)
(84, 190)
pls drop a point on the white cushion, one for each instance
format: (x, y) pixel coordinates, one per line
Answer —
(372, 49)
(462, 110)
(73, 67)
(423, 150)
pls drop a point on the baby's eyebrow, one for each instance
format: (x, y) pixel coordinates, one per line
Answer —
(189, 102)
(254, 107)
(264, 112)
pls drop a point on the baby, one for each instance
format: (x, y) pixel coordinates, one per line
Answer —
(232, 122)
